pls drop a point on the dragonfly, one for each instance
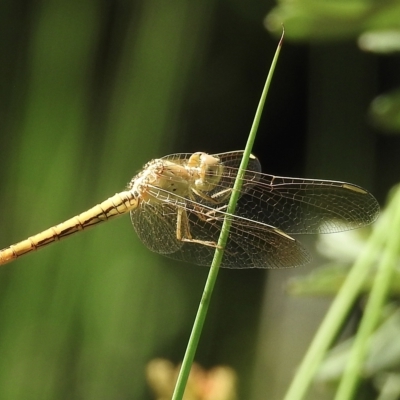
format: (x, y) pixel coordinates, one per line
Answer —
(178, 204)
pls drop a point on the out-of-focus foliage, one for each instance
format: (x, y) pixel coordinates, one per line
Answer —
(383, 358)
(384, 41)
(385, 112)
(375, 25)
(314, 20)
(383, 352)
(342, 249)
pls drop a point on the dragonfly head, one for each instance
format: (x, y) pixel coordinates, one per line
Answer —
(207, 169)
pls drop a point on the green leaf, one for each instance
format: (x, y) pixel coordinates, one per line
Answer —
(385, 112)
(384, 41)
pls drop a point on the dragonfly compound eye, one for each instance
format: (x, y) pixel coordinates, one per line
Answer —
(210, 172)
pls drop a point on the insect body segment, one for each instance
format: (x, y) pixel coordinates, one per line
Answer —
(120, 203)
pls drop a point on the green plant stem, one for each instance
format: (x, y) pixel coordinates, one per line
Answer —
(373, 310)
(339, 309)
(212, 276)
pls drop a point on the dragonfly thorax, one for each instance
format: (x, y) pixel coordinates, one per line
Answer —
(160, 178)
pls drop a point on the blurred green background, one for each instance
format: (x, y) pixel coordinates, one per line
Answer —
(89, 92)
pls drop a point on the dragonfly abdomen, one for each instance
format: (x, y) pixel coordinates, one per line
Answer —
(120, 203)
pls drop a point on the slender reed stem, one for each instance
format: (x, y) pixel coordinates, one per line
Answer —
(212, 276)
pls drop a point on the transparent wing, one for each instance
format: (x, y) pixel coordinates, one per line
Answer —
(156, 227)
(308, 206)
(250, 244)
(295, 205)
(229, 159)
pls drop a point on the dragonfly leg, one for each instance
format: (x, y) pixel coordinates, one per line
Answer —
(216, 198)
(223, 195)
(211, 214)
(183, 230)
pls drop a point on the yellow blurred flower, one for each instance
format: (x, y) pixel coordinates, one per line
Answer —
(218, 383)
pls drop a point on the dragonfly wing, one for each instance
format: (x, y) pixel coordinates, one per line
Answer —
(156, 227)
(232, 159)
(250, 244)
(291, 204)
(308, 206)
(178, 158)
(297, 205)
